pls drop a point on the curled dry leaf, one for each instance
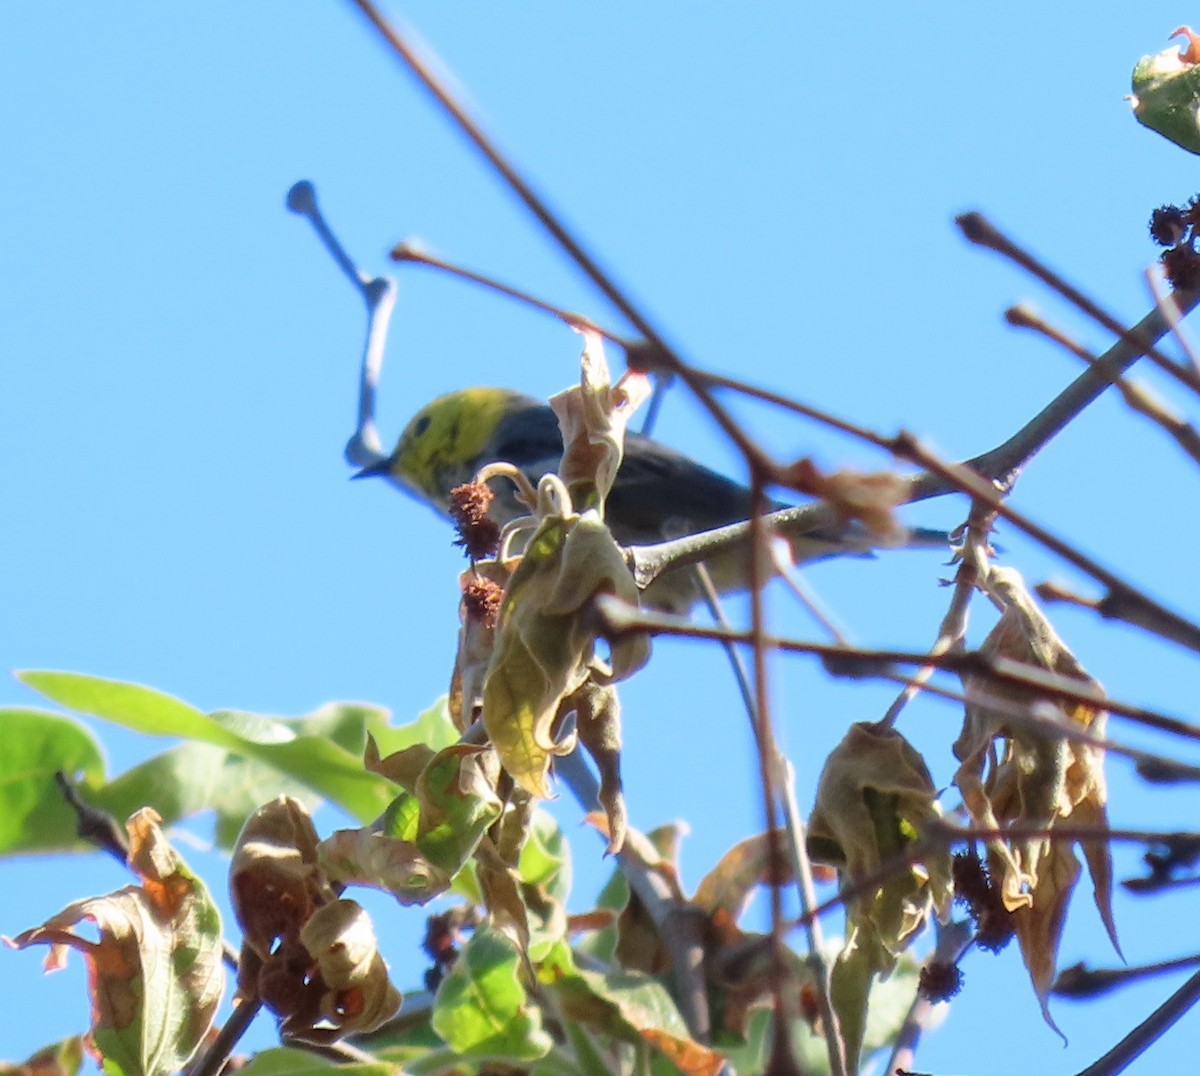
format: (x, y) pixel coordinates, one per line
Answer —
(275, 884)
(154, 974)
(874, 797)
(593, 416)
(869, 498)
(545, 640)
(357, 994)
(729, 886)
(598, 717)
(1026, 772)
(310, 956)
(427, 835)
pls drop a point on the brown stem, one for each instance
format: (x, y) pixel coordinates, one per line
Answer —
(1137, 397)
(405, 252)
(979, 230)
(663, 352)
(619, 618)
(222, 1048)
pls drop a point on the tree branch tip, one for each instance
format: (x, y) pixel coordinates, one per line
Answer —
(1023, 316)
(976, 228)
(408, 250)
(302, 198)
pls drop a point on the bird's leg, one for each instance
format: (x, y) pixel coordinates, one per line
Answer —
(379, 293)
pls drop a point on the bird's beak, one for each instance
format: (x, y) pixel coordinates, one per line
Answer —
(381, 469)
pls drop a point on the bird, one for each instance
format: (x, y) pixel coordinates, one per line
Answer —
(659, 493)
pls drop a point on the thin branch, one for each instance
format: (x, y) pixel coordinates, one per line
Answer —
(680, 926)
(97, 827)
(229, 1036)
(787, 571)
(1080, 982)
(1124, 601)
(859, 662)
(1170, 309)
(979, 230)
(1137, 397)
(379, 294)
(664, 353)
(410, 254)
(953, 629)
(1000, 465)
(771, 761)
(953, 941)
(1147, 1032)
(793, 819)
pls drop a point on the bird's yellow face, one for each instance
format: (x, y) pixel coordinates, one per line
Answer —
(446, 441)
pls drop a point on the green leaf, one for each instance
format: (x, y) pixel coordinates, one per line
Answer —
(34, 744)
(545, 641)
(481, 1008)
(284, 1061)
(402, 819)
(632, 1007)
(312, 760)
(458, 804)
(546, 857)
(544, 867)
(135, 707)
(346, 724)
(1166, 97)
(433, 728)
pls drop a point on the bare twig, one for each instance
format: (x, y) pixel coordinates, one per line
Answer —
(379, 293)
(953, 629)
(411, 254)
(1124, 601)
(863, 662)
(230, 1034)
(953, 940)
(1147, 1032)
(1081, 982)
(1000, 465)
(604, 283)
(93, 825)
(1170, 310)
(979, 230)
(1137, 397)
(786, 570)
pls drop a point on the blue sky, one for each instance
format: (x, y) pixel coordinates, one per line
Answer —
(775, 185)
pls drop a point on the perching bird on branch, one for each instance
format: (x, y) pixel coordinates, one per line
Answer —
(659, 493)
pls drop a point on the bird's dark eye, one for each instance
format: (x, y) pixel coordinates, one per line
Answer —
(422, 424)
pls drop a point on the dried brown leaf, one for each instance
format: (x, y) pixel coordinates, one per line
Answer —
(545, 641)
(1026, 771)
(154, 973)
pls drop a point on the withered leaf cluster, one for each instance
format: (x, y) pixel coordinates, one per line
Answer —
(1022, 776)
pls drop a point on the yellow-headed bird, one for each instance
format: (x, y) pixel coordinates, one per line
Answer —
(659, 493)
